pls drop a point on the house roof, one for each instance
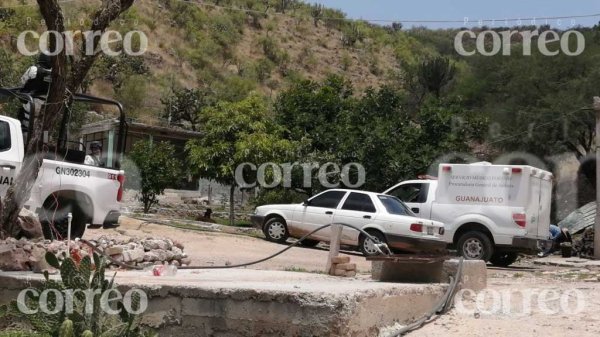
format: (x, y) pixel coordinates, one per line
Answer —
(140, 128)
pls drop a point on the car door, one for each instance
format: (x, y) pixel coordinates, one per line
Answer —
(318, 211)
(357, 210)
(414, 195)
(10, 157)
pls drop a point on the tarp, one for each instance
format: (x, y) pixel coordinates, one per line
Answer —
(580, 219)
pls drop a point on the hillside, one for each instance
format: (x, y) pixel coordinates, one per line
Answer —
(257, 45)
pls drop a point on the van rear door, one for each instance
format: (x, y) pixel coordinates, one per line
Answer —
(538, 207)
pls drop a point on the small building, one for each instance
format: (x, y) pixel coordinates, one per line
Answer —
(106, 132)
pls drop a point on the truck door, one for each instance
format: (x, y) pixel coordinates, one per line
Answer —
(10, 156)
(415, 197)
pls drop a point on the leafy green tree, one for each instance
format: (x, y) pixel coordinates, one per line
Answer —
(236, 133)
(155, 170)
(311, 110)
(379, 130)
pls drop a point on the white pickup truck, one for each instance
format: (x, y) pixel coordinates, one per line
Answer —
(92, 194)
(490, 212)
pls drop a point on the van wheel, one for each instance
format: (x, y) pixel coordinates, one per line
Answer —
(475, 245)
(276, 230)
(504, 259)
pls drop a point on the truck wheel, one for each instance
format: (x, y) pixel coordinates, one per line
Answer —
(475, 245)
(275, 230)
(366, 245)
(504, 259)
(55, 221)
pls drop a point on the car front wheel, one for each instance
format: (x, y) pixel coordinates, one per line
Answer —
(275, 230)
(366, 245)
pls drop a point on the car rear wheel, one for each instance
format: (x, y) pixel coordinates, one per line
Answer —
(475, 245)
(276, 230)
(504, 259)
(366, 245)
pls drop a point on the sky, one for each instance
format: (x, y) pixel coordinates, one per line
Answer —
(402, 10)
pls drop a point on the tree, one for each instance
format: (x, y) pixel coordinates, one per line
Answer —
(316, 11)
(236, 133)
(380, 130)
(65, 75)
(430, 76)
(183, 106)
(156, 170)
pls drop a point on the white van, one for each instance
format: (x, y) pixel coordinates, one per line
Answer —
(490, 212)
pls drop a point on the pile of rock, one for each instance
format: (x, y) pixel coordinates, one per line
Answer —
(145, 252)
(341, 266)
(22, 255)
(19, 255)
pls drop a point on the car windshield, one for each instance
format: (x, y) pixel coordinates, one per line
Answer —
(393, 205)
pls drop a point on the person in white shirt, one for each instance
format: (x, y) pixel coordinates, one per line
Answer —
(94, 159)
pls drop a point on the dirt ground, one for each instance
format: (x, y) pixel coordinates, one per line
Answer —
(527, 300)
(210, 248)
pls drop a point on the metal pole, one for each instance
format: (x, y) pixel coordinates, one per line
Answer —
(69, 219)
(597, 222)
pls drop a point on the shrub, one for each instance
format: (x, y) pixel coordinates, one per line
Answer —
(158, 169)
(263, 68)
(270, 48)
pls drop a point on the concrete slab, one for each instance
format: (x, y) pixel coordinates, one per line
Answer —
(246, 302)
(474, 273)
(571, 262)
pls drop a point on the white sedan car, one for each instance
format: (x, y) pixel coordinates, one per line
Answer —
(384, 217)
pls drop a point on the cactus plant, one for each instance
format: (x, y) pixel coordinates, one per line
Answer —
(66, 329)
(83, 276)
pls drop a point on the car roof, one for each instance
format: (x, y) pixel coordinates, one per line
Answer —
(358, 191)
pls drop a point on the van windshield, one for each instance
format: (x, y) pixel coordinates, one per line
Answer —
(393, 205)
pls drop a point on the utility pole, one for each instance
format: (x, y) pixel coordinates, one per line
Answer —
(597, 222)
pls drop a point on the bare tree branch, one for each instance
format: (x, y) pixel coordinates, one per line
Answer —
(110, 10)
